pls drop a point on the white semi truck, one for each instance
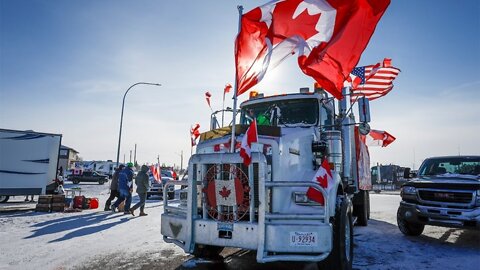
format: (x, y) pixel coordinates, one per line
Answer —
(264, 206)
(28, 162)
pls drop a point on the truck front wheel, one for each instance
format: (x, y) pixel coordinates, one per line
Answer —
(341, 256)
(207, 251)
(4, 199)
(408, 228)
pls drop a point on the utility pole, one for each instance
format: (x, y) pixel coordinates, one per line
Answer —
(130, 160)
(181, 160)
(124, 158)
(135, 155)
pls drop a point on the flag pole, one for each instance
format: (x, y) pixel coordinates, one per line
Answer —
(235, 89)
(223, 106)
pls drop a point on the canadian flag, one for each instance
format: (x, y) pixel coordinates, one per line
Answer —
(325, 179)
(379, 138)
(194, 134)
(227, 88)
(225, 192)
(249, 138)
(207, 97)
(156, 173)
(329, 37)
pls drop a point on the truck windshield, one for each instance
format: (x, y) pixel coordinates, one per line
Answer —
(452, 165)
(298, 112)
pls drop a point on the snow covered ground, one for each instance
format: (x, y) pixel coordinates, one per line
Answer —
(94, 239)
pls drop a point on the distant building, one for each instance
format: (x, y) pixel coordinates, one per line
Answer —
(67, 158)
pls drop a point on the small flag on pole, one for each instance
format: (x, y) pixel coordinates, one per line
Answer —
(250, 137)
(207, 97)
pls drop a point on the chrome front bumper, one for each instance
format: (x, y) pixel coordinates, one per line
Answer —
(270, 234)
(441, 216)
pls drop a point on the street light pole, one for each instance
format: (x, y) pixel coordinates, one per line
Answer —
(121, 116)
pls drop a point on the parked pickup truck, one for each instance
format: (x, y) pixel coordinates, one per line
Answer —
(445, 193)
(156, 189)
(88, 177)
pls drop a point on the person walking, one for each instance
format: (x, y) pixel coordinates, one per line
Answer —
(143, 184)
(125, 188)
(113, 188)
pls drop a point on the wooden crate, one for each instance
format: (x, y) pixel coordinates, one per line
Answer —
(58, 199)
(45, 199)
(43, 207)
(58, 207)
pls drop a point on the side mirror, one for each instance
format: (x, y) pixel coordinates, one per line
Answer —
(364, 110)
(407, 173)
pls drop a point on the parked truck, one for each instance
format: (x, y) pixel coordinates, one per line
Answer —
(446, 192)
(28, 162)
(264, 206)
(389, 177)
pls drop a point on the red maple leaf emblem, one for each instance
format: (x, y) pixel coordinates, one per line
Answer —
(323, 180)
(225, 192)
(284, 26)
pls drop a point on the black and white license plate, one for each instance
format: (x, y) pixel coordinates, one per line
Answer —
(303, 239)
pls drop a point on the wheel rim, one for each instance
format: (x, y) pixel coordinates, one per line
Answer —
(2, 198)
(347, 239)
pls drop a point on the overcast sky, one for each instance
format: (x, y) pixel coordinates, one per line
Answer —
(65, 65)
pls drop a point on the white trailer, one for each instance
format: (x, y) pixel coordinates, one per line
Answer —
(28, 162)
(103, 167)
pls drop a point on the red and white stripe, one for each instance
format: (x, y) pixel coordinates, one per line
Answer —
(378, 84)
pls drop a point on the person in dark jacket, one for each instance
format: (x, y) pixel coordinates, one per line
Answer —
(143, 183)
(114, 187)
(125, 188)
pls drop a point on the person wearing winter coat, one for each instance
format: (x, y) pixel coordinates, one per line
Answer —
(114, 187)
(125, 188)
(143, 183)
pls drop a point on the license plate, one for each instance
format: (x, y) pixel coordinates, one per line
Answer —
(304, 239)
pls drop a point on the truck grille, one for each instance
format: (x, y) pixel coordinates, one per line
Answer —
(461, 197)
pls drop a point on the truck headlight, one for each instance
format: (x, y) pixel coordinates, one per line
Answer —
(302, 199)
(408, 192)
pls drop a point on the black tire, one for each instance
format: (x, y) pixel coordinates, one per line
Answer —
(171, 195)
(207, 251)
(75, 181)
(408, 228)
(101, 182)
(341, 256)
(361, 207)
(4, 198)
(148, 196)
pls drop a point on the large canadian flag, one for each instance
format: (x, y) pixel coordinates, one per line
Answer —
(329, 37)
(249, 138)
(324, 177)
(225, 192)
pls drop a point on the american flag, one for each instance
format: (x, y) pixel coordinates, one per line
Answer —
(372, 81)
